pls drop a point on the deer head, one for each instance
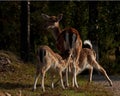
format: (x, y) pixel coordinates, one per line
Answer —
(52, 21)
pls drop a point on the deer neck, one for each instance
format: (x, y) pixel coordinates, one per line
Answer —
(56, 32)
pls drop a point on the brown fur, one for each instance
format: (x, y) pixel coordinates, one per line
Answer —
(52, 22)
(60, 39)
(87, 60)
(50, 60)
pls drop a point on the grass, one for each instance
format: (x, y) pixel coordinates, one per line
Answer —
(22, 78)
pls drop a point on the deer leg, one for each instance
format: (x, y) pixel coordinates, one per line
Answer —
(44, 70)
(43, 77)
(102, 70)
(52, 85)
(105, 74)
(74, 78)
(67, 83)
(65, 79)
(52, 80)
(61, 79)
(91, 73)
(35, 81)
(75, 69)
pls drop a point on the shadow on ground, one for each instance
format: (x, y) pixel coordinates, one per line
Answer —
(9, 85)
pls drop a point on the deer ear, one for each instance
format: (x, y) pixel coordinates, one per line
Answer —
(45, 16)
(60, 17)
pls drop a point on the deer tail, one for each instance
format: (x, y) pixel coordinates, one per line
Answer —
(41, 54)
(87, 44)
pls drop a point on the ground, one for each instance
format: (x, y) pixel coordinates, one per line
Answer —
(100, 80)
(19, 82)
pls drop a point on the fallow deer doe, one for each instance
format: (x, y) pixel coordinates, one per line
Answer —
(87, 60)
(66, 39)
(47, 59)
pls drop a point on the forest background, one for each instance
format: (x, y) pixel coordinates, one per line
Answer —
(22, 27)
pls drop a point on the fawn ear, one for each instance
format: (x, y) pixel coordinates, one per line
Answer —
(60, 17)
(45, 16)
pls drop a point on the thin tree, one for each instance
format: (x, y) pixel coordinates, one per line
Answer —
(25, 30)
(1, 30)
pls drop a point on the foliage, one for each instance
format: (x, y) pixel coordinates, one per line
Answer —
(108, 32)
(75, 14)
(9, 36)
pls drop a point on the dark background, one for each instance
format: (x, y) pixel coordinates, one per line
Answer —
(21, 27)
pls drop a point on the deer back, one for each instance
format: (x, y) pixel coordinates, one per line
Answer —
(48, 56)
(86, 57)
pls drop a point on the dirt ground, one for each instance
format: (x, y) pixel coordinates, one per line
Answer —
(98, 79)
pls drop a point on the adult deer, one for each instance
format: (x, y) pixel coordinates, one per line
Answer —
(87, 60)
(47, 59)
(66, 39)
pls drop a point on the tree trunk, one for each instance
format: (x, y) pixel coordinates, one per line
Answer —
(92, 30)
(25, 30)
(1, 31)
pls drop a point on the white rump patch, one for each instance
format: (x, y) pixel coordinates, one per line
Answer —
(73, 42)
(67, 39)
